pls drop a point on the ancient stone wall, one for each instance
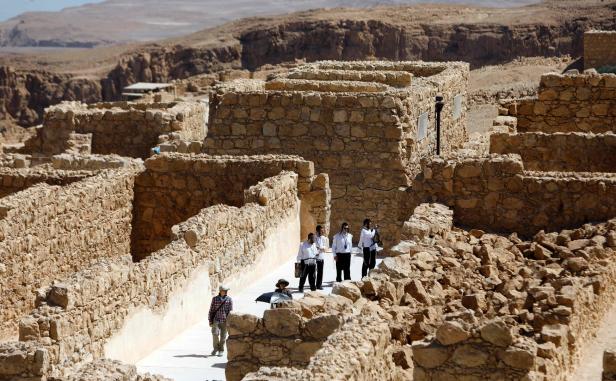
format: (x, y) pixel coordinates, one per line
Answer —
(569, 103)
(80, 317)
(531, 329)
(19, 172)
(365, 135)
(474, 306)
(15, 180)
(49, 232)
(175, 187)
(126, 129)
(573, 151)
(495, 193)
(599, 49)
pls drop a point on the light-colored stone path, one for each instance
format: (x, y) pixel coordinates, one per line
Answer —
(591, 363)
(187, 357)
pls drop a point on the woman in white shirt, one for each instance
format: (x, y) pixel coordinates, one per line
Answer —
(369, 244)
(342, 244)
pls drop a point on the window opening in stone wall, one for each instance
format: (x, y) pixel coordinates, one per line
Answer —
(457, 106)
(422, 126)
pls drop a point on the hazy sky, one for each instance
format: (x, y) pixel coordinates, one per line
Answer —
(11, 8)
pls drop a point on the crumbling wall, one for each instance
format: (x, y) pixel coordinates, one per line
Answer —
(599, 49)
(569, 103)
(363, 134)
(19, 172)
(175, 187)
(95, 312)
(572, 151)
(539, 321)
(126, 129)
(283, 336)
(15, 180)
(496, 194)
(49, 232)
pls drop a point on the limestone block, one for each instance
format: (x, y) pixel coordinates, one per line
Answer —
(347, 289)
(241, 324)
(469, 356)
(451, 332)
(519, 358)
(497, 332)
(322, 326)
(282, 322)
(429, 354)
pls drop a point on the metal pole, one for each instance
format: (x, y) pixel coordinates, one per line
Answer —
(438, 107)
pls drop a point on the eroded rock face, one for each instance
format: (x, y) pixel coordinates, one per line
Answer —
(25, 94)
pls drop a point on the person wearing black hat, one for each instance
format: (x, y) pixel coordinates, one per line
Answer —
(281, 287)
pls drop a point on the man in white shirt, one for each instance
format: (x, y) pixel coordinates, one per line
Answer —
(368, 242)
(321, 243)
(342, 244)
(307, 257)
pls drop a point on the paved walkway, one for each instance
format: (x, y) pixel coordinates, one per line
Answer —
(187, 357)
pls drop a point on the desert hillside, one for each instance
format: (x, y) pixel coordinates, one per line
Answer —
(31, 81)
(121, 21)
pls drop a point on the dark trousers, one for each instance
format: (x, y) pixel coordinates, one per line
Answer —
(307, 271)
(319, 273)
(369, 261)
(343, 264)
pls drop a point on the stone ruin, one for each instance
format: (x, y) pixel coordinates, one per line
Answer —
(500, 264)
(367, 124)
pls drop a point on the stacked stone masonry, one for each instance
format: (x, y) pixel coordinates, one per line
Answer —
(562, 151)
(568, 103)
(175, 187)
(469, 305)
(366, 124)
(52, 231)
(78, 314)
(495, 193)
(126, 129)
(599, 49)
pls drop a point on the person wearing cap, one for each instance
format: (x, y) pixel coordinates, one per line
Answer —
(281, 287)
(321, 243)
(307, 257)
(342, 244)
(221, 307)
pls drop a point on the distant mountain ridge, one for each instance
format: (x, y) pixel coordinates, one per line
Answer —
(121, 21)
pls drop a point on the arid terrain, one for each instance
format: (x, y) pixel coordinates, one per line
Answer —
(480, 143)
(32, 79)
(121, 21)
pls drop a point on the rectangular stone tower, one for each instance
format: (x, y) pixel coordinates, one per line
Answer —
(366, 124)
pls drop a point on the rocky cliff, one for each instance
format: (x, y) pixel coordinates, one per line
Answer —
(24, 95)
(434, 33)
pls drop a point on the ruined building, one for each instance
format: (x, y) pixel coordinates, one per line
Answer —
(501, 266)
(366, 124)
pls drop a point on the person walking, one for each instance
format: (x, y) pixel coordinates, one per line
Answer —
(307, 257)
(321, 243)
(368, 241)
(221, 306)
(342, 244)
